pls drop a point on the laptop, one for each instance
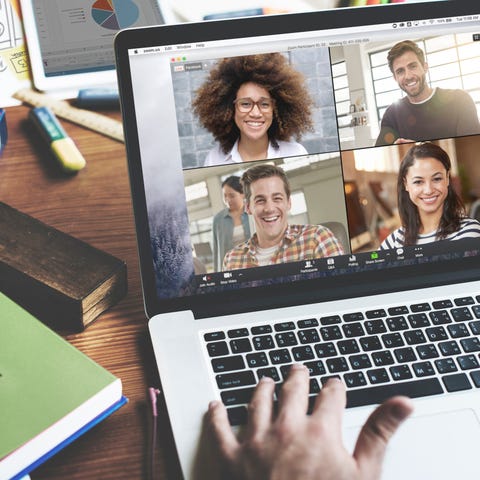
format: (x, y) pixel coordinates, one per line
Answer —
(386, 318)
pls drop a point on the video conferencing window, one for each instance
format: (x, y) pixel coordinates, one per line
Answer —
(308, 154)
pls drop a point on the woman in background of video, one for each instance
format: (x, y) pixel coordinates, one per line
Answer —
(429, 208)
(230, 225)
(253, 106)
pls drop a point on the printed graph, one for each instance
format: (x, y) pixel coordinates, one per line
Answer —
(115, 14)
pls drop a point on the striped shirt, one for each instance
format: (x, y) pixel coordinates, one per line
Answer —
(300, 242)
(469, 228)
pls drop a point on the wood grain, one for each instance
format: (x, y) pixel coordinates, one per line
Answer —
(95, 206)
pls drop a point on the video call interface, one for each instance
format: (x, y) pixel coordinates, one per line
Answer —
(369, 159)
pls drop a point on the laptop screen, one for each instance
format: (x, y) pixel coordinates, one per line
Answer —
(303, 157)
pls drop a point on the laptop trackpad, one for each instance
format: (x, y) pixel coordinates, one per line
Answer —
(439, 446)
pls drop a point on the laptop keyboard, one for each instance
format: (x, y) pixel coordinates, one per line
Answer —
(415, 350)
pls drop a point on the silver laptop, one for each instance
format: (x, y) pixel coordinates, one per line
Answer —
(317, 265)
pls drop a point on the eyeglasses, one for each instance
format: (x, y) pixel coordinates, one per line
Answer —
(245, 105)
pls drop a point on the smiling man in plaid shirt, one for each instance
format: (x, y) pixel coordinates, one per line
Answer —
(267, 199)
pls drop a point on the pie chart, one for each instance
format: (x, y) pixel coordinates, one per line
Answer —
(115, 14)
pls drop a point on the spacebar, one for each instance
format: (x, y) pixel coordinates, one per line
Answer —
(377, 394)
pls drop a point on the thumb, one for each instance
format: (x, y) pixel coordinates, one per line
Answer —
(376, 433)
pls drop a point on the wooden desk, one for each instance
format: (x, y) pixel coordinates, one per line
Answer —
(95, 206)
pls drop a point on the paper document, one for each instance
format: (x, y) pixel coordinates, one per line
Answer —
(14, 68)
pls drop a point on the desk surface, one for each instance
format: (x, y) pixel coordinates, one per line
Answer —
(95, 206)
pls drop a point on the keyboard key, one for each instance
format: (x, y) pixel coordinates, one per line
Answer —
(397, 323)
(464, 301)
(400, 372)
(442, 304)
(263, 342)
(237, 332)
(440, 317)
(330, 333)
(404, 355)
(315, 368)
(418, 320)
(458, 330)
(476, 378)
(303, 353)
(461, 314)
(470, 345)
(378, 375)
(401, 310)
(237, 379)
(237, 416)
(217, 349)
(346, 347)
(420, 307)
(449, 348)
(325, 350)
(475, 327)
(392, 340)
(212, 336)
(446, 365)
(314, 387)
(284, 326)
(353, 330)
(325, 379)
(309, 336)
(280, 356)
(354, 379)
(255, 360)
(330, 320)
(286, 339)
(435, 334)
(354, 317)
(379, 313)
(468, 362)
(360, 361)
(369, 344)
(308, 323)
(423, 369)
(338, 364)
(374, 327)
(241, 345)
(414, 337)
(476, 310)
(271, 372)
(379, 393)
(427, 351)
(457, 382)
(227, 364)
(284, 371)
(237, 397)
(382, 358)
(261, 329)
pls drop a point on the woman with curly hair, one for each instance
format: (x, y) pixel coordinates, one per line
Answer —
(429, 207)
(253, 106)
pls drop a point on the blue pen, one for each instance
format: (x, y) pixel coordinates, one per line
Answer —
(3, 129)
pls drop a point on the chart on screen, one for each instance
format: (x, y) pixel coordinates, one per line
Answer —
(115, 14)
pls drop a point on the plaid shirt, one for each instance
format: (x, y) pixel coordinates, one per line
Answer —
(301, 242)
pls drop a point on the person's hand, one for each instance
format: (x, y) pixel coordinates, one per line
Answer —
(292, 445)
(403, 140)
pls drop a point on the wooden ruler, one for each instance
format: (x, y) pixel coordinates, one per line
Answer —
(92, 120)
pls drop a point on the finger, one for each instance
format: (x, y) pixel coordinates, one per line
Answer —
(376, 433)
(223, 433)
(330, 404)
(260, 409)
(294, 392)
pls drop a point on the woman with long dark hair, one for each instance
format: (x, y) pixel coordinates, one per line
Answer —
(429, 208)
(255, 107)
